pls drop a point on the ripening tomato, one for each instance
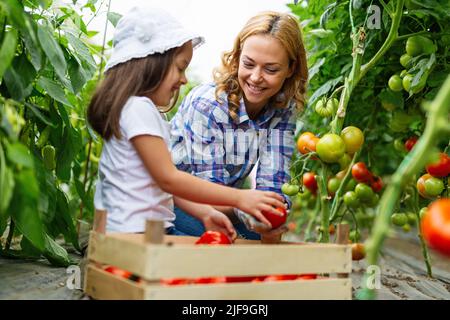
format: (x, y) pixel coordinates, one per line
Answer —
(377, 184)
(330, 148)
(436, 225)
(410, 143)
(434, 186)
(361, 173)
(307, 142)
(274, 219)
(213, 237)
(358, 251)
(421, 185)
(309, 181)
(353, 139)
(440, 168)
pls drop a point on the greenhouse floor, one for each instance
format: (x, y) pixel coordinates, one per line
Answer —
(403, 275)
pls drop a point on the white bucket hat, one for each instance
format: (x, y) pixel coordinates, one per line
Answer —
(144, 31)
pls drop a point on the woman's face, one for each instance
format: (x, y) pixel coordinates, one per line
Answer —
(175, 78)
(263, 67)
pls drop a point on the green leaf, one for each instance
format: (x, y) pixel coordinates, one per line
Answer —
(36, 110)
(391, 97)
(15, 11)
(114, 18)
(54, 90)
(28, 249)
(32, 45)
(19, 78)
(324, 89)
(64, 221)
(77, 77)
(7, 51)
(52, 50)
(24, 211)
(19, 154)
(6, 186)
(56, 254)
(71, 145)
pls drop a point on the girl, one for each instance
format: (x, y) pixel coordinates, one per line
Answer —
(252, 104)
(136, 175)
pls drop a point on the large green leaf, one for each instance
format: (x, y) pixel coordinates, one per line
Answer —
(19, 78)
(77, 77)
(6, 186)
(71, 145)
(23, 208)
(38, 113)
(54, 90)
(7, 51)
(52, 50)
(19, 154)
(32, 44)
(63, 220)
(56, 254)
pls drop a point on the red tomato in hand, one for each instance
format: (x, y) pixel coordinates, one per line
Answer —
(361, 173)
(377, 184)
(309, 181)
(274, 219)
(213, 237)
(409, 144)
(440, 168)
(435, 225)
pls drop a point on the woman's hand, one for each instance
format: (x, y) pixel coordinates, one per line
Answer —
(254, 202)
(217, 221)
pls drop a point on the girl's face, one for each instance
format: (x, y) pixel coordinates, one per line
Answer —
(175, 78)
(263, 67)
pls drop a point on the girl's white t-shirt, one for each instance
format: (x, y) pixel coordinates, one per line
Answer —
(125, 188)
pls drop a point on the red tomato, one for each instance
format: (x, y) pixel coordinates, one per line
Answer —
(118, 272)
(377, 184)
(281, 277)
(307, 142)
(241, 279)
(210, 280)
(310, 276)
(436, 225)
(309, 181)
(213, 237)
(440, 168)
(409, 144)
(274, 219)
(174, 281)
(361, 173)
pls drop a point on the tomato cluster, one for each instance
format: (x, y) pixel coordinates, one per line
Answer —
(431, 184)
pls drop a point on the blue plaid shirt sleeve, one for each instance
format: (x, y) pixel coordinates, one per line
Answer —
(275, 156)
(203, 151)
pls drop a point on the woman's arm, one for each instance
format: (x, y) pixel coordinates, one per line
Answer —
(156, 158)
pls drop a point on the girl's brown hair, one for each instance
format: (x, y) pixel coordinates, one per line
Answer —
(136, 77)
(286, 29)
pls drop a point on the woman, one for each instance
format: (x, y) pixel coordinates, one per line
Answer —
(246, 116)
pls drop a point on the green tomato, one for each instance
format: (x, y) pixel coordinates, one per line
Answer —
(412, 218)
(406, 227)
(403, 74)
(330, 148)
(399, 145)
(405, 61)
(351, 184)
(290, 189)
(395, 83)
(413, 46)
(333, 184)
(363, 192)
(422, 212)
(344, 161)
(434, 187)
(406, 82)
(48, 155)
(351, 199)
(374, 200)
(353, 139)
(399, 219)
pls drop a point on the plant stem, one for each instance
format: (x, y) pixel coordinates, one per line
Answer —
(406, 36)
(12, 226)
(411, 165)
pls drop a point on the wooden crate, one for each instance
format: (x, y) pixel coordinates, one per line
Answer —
(154, 256)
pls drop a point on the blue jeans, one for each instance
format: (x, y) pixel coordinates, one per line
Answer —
(189, 225)
(174, 232)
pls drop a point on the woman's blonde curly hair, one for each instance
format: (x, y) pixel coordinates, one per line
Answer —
(281, 26)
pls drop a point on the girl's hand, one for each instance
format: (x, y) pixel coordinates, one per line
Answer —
(254, 202)
(217, 221)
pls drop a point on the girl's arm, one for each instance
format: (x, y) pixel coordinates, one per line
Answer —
(211, 218)
(156, 158)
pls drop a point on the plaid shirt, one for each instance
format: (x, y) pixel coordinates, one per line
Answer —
(207, 143)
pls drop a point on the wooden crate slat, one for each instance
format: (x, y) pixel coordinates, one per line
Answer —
(162, 261)
(242, 260)
(325, 289)
(105, 286)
